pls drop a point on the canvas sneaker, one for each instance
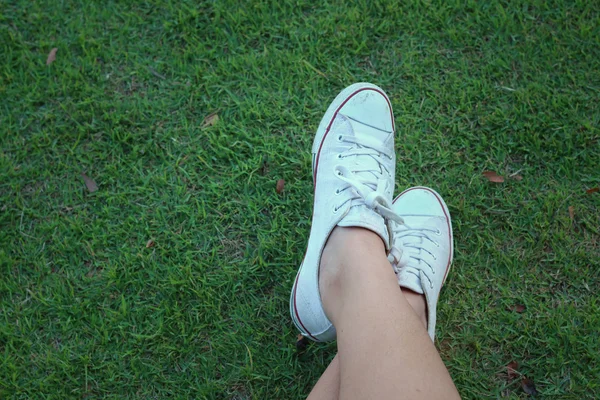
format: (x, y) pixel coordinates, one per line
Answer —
(353, 162)
(426, 245)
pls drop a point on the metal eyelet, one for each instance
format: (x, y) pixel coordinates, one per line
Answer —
(337, 192)
(339, 156)
(339, 138)
(335, 210)
(438, 232)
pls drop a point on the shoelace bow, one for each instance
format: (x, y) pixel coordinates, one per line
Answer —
(411, 241)
(370, 190)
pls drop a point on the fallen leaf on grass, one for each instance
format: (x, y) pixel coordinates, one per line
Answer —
(493, 177)
(572, 213)
(51, 56)
(150, 243)
(529, 387)
(280, 186)
(89, 183)
(210, 120)
(517, 308)
(593, 190)
(511, 370)
(301, 342)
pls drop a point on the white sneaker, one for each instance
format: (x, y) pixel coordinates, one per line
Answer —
(426, 244)
(353, 173)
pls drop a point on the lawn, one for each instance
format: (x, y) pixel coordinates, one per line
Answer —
(171, 280)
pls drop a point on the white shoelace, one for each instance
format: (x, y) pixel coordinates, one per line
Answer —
(414, 241)
(370, 189)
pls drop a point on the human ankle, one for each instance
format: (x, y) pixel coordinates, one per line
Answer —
(345, 241)
(418, 303)
(348, 243)
(344, 247)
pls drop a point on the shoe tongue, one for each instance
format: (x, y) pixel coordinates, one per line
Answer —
(350, 127)
(410, 280)
(364, 217)
(361, 215)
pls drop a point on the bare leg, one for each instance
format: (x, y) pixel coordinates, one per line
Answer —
(384, 350)
(328, 385)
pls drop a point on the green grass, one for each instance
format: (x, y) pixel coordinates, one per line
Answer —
(89, 312)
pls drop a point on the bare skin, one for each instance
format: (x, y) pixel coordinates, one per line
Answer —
(384, 351)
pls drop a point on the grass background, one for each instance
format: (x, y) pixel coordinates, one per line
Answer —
(88, 311)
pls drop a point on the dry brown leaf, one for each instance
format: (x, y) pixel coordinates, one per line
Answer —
(493, 177)
(89, 183)
(280, 186)
(511, 370)
(520, 308)
(529, 387)
(210, 120)
(150, 243)
(517, 177)
(592, 190)
(301, 342)
(51, 56)
(572, 213)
